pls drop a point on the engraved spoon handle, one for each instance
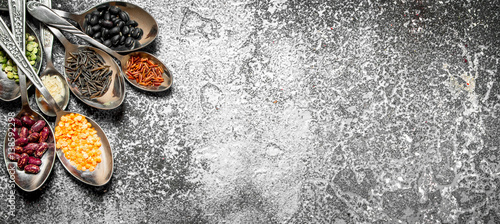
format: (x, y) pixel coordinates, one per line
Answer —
(17, 15)
(7, 42)
(47, 38)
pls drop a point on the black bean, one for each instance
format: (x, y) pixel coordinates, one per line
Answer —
(96, 13)
(129, 41)
(122, 40)
(94, 20)
(120, 24)
(107, 43)
(97, 36)
(126, 30)
(102, 7)
(105, 33)
(106, 23)
(124, 16)
(100, 40)
(132, 23)
(137, 33)
(87, 18)
(106, 16)
(96, 28)
(89, 30)
(114, 10)
(113, 31)
(115, 19)
(115, 39)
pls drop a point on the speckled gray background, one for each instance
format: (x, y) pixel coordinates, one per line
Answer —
(290, 111)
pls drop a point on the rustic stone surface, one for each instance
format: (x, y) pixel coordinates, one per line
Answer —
(301, 112)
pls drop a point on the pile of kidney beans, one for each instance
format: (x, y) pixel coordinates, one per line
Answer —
(30, 143)
(112, 26)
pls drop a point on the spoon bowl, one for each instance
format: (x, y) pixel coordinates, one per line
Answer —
(103, 172)
(145, 21)
(50, 70)
(53, 20)
(115, 93)
(10, 89)
(24, 180)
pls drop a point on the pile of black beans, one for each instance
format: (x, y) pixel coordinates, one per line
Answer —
(112, 27)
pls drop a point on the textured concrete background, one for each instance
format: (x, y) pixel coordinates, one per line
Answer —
(289, 111)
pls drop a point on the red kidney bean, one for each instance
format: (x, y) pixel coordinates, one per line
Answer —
(33, 137)
(21, 141)
(24, 132)
(31, 148)
(34, 161)
(23, 161)
(14, 157)
(30, 168)
(14, 132)
(16, 122)
(42, 147)
(27, 121)
(19, 150)
(43, 137)
(38, 125)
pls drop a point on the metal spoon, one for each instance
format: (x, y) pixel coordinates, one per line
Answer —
(114, 96)
(146, 22)
(25, 181)
(102, 174)
(47, 41)
(9, 89)
(50, 18)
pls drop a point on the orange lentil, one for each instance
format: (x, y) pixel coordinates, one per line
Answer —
(144, 71)
(79, 142)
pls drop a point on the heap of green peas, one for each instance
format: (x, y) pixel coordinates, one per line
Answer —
(32, 50)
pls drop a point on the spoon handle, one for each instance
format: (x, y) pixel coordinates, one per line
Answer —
(7, 42)
(49, 17)
(17, 15)
(65, 14)
(47, 37)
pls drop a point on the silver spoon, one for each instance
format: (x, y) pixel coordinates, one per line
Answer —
(50, 18)
(47, 41)
(25, 181)
(103, 172)
(114, 95)
(9, 89)
(146, 22)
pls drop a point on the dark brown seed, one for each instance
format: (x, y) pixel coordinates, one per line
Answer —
(129, 41)
(107, 23)
(108, 43)
(106, 16)
(126, 30)
(120, 24)
(122, 40)
(94, 20)
(96, 28)
(115, 40)
(105, 33)
(124, 16)
(97, 36)
(132, 23)
(136, 33)
(102, 7)
(114, 10)
(113, 31)
(96, 13)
